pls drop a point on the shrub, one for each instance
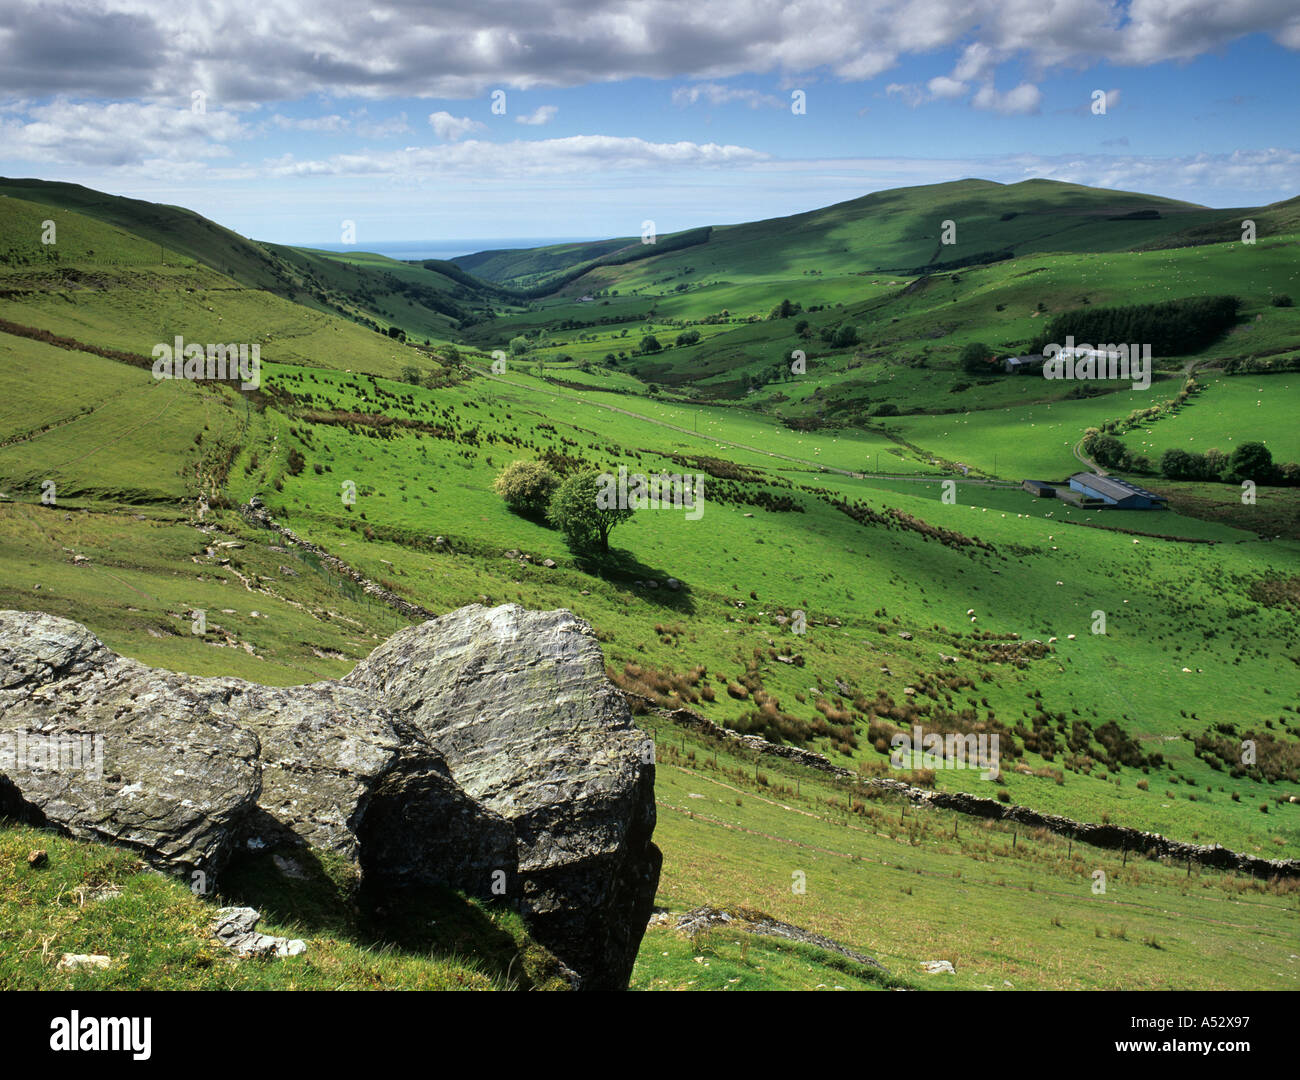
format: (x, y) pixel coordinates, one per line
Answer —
(1252, 461)
(527, 487)
(976, 358)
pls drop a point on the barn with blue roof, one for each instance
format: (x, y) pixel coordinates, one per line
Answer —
(1111, 491)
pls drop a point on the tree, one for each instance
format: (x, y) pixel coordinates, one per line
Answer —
(578, 510)
(975, 358)
(1180, 465)
(518, 345)
(1252, 461)
(688, 337)
(845, 337)
(1107, 451)
(527, 487)
(650, 344)
(1216, 463)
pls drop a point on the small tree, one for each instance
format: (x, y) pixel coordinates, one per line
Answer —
(1252, 461)
(650, 344)
(527, 487)
(578, 510)
(1216, 464)
(975, 358)
(518, 345)
(845, 337)
(1180, 465)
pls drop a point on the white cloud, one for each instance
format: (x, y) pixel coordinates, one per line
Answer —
(358, 122)
(543, 114)
(976, 63)
(716, 94)
(330, 125)
(139, 49)
(117, 134)
(576, 155)
(944, 88)
(449, 127)
(911, 94)
(1021, 101)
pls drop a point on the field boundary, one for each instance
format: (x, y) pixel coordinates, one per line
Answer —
(1111, 837)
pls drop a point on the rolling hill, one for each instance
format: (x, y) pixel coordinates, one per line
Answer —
(932, 596)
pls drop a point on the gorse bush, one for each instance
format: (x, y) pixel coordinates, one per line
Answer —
(527, 486)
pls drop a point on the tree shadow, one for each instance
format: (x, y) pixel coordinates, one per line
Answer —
(623, 569)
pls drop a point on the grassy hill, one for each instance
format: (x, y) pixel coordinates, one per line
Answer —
(899, 230)
(371, 289)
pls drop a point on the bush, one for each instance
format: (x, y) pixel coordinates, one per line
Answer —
(527, 487)
(845, 337)
(1252, 461)
(650, 344)
(976, 358)
(1281, 300)
(1183, 465)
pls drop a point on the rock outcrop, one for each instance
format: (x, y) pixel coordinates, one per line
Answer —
(485, 750)
(519, 704)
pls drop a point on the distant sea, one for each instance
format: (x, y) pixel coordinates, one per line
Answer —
(449, 249)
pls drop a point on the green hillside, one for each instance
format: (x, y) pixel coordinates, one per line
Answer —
(897, 231)
(370, 289)
(965, 605)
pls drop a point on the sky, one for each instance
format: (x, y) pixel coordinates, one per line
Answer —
(425, 120)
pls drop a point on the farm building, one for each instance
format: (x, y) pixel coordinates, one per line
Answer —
(1041, 488)
(1114, 492)
(1015, 365)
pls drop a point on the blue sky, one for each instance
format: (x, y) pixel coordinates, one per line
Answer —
(675, 111)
